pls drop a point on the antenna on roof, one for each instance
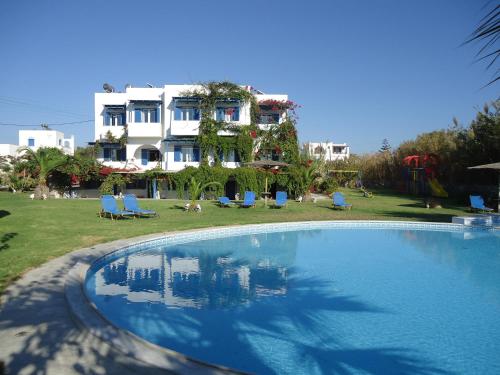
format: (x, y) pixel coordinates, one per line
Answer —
(149, 85)
(45, 126)
(108, 88)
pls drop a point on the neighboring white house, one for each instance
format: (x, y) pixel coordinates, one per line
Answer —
(8, 149)
(162, 126)
(328, 151)
(36, 139)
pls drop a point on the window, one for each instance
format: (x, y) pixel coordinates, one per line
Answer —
(60, 142)
(186, 113)
(337, 150)
(146, 114)
(154, 155)
(269, 118)
(150, 155)
(186, 153)
(231, 157)
(113, 154)
(31, 142)
(227, 114)
(114, 116)
(319, 150)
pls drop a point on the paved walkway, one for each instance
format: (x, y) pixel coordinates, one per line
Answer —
(38, 335)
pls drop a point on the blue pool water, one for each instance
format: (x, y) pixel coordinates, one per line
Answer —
(369, 301)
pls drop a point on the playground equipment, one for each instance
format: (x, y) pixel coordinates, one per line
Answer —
(420, 175)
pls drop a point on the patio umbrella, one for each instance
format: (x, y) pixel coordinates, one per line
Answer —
(495, 166)
(266, 165)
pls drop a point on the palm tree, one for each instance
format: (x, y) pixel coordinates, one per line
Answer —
(46, 161)
(488, 32)
(195, 189)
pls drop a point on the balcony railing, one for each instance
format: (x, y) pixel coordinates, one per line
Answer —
(149, 129)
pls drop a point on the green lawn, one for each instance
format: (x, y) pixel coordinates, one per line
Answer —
(32, 232)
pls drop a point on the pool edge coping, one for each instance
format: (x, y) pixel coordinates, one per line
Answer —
(87, 316)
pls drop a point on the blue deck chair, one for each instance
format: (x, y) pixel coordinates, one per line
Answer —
(249, 200)
(339, 201)
(281, 199)
(109, 206)
(131, 204)
(477, 203)
(224, 202)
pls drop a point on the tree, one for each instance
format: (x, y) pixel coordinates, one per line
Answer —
(14, 174)
(45, 160)
(385, 146)
(488, 32)
(195, 190)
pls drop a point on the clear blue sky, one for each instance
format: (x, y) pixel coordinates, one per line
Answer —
(362, 70)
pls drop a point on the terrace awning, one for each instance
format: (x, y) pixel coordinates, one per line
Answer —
(146, 102)
(181, 141)
(494, 166)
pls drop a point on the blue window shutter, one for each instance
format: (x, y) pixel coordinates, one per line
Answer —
(236, 156)
(122, 119)
(158, 114)
(144, 156)
(31, 142)
(219, 116)
(107, 154)
(196, 114)
(138, 116)
(221, 155)
(178, 114)
(196, 154)
(153, 115)
(107, 119)
(236, 114)
(177, 153)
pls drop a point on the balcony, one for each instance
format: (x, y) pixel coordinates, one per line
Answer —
(145, 129)
(184, 127)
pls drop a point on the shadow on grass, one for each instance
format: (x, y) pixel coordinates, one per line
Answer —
(177, 207)
(5, 239)
(4, 213)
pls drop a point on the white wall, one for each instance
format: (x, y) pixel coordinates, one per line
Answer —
(330, 153)
(8, 149)
(46, 138)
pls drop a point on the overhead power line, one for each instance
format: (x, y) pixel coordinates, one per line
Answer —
(49, 124)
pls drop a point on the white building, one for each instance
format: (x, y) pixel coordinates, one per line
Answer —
(327, 151)
(162, 126)
(35, 139)
(8, 149)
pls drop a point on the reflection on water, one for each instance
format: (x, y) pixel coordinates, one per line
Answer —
(315, 302)
(475, 254)
(214, 274)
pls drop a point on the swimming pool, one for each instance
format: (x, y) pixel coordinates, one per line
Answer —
(335, 297)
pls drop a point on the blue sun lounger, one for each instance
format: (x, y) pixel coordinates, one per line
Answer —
(131, 204)
(339, 201)
(281, 199)
(477, 203)
(249, 200)
(109, 206)
(225, 202)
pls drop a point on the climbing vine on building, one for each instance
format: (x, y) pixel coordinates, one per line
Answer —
(210, 94)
